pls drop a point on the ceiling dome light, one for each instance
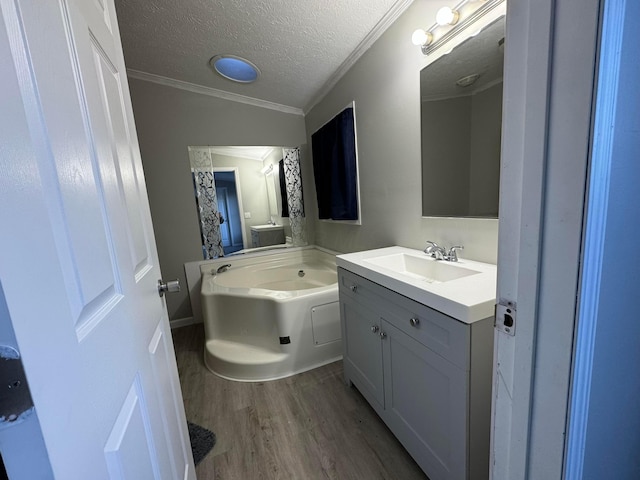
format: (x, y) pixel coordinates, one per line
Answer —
(421, 37)
(235, 68)
(447, 16)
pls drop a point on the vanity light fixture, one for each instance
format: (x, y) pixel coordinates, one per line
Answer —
(453, 20)
(421, 37)
(447, 16)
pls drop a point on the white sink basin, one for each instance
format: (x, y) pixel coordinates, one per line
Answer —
(464, 290)
(422, 267)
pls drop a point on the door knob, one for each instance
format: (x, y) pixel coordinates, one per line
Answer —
(383, 335)
(375, 328)
(172, 286)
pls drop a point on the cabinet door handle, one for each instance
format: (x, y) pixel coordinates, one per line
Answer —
(414, 322)
(375, 328)
(383, 335)
(353, 288)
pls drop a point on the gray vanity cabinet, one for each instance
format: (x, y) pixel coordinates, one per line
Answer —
(427, 375)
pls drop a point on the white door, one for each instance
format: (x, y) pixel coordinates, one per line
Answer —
(223, 207)
(78, 262)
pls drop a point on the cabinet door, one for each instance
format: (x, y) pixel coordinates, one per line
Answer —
(425, 404)
(362, 350)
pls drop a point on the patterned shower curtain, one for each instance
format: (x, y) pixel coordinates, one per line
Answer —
(208, 213)
(294, 195)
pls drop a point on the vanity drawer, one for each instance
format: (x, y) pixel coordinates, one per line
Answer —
(358, 288)
(444, 335)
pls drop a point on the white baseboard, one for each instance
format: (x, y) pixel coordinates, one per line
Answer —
(182, 322)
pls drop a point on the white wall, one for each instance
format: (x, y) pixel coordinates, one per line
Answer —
(385, 84)
(446, 130)
(169, 120)
(486, 121)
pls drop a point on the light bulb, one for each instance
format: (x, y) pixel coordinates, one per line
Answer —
(447, 16)
(421, 37)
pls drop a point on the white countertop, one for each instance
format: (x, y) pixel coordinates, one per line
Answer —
(266, 228)
(468, 299)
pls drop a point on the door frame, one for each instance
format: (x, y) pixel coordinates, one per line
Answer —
(606, 333)
(550, 54)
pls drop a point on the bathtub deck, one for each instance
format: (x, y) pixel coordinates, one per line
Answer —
(306, 427)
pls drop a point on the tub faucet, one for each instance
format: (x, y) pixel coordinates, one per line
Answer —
(223, 268)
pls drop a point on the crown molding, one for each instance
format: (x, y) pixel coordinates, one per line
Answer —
(212, 92)
(391, 16)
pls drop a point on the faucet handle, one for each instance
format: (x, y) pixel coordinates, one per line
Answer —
(430, 246)
(435, 250)
(452, 255)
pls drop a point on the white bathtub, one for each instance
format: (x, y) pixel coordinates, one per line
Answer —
(271, 316)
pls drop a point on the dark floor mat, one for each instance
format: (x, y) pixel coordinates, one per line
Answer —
(202, 441)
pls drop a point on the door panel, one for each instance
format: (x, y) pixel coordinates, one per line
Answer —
(123, 453)
(430, 416)
(225, 232)
(162, 359)
(363, 352)
(118, 141)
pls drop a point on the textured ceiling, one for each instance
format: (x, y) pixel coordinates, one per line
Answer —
(297, 44)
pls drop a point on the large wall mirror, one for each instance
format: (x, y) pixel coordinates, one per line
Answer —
(247, 198)
(461, 114)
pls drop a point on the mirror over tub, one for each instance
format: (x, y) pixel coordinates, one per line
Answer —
(247, 198)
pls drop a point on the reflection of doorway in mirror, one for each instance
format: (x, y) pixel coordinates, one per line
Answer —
(264, 188)
(230, 220)
(225, 231)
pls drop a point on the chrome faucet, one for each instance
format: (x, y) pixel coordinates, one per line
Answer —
(440, 253)
(435, 250)
(223, 268)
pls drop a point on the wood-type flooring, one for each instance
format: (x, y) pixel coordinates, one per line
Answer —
(306, 427)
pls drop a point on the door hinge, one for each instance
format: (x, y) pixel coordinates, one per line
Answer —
(505, 318)
(15, 397)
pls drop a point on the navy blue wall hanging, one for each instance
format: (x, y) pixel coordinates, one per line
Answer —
(333, 148)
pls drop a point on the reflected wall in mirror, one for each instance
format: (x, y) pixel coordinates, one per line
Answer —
(243, 197)
(461, 114)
